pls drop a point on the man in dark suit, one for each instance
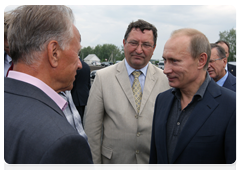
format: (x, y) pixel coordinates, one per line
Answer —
(225, 45)
(195, 121)
(216, 68)
(45, 57)
(81, 87)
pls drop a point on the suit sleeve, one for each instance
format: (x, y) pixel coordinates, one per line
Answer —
(71, 149)
(230, 140)
(93, 119)
(153, 154)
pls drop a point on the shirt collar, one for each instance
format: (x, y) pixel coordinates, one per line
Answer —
(223, 79)
(39, 84)
(130, 69)
(7, 57)
(199, 94)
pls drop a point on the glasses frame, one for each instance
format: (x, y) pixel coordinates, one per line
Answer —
(129, 42)
(214, 60)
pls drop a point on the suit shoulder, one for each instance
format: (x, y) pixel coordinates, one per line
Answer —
(164, 95)
(107, 71)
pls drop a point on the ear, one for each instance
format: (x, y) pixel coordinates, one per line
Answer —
(53, 50)
(202, 60)
(124, 43)
(154, 47)
(224, 61)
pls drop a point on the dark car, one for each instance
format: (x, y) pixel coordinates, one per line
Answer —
(105, 64)
(93, 74)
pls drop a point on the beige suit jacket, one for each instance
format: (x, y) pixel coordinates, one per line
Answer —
(116, 133)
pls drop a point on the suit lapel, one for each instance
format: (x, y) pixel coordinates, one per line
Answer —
(229, 81)
(148, 86)
(165, 107)
(123, 79)
(199, 115)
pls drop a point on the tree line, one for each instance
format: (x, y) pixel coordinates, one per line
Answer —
(106, 51)
(113, 53)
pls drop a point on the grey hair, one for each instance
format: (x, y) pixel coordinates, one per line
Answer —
(220, 51)
(199, 43)
(32, 27)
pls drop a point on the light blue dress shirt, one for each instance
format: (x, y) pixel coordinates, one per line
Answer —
(141, 78)
(7, 63)
(223, 79)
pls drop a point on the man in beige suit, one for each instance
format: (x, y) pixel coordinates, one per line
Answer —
(117, 124)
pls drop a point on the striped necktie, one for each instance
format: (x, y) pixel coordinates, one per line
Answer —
(72, 114)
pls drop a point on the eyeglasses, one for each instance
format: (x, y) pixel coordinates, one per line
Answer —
(212, 61)
(135, 44)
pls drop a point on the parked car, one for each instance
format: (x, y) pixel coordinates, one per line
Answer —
(161, 65)
(105, 64)
(117, 61)
(93, 74)
(96, 63)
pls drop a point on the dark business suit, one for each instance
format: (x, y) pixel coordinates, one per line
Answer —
(232, 69)
(36, 130)
(230, 82)
(81, 87)
(209, 136)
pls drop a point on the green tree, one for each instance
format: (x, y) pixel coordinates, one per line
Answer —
(85, 51)
(105, 51)
(230, 37)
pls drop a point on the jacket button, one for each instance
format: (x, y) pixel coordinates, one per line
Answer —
(137, 151)
(138, 134)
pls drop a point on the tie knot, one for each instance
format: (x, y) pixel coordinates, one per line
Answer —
(136, 74)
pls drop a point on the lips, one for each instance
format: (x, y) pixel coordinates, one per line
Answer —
(171, 78)
(210, 71)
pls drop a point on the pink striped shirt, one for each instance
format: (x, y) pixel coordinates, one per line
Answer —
(41, 85)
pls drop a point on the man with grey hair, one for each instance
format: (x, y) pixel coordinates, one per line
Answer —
(216, 68)
(44, 46)
(195, 121)
(226, 46)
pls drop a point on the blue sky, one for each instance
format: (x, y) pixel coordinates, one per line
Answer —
(106, 24)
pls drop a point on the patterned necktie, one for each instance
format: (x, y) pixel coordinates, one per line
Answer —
(137, 91)
(72, 114)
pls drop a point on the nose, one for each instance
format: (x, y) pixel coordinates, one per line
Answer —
(209, 65)
(139, 49)
(79, 64)
(167, 68)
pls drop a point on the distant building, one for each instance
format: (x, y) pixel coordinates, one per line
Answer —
(91, 58)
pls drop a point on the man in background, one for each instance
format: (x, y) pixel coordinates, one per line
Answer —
(45, 56)
(119, 112)
(216, 68)
(225, 45)
(81, 87)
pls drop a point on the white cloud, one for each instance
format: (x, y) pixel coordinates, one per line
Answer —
(100, 24)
